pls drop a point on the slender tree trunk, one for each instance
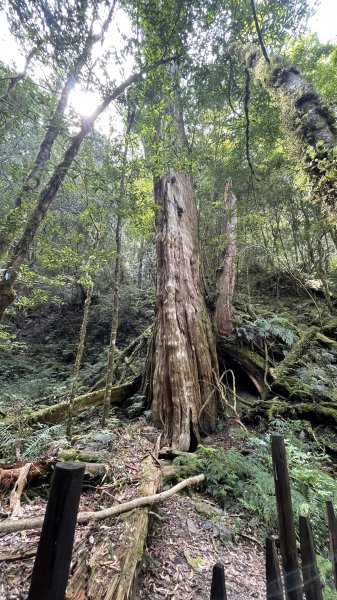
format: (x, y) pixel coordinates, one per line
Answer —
(9, 274)
(227, 269)
(32, 180)
(114, 322)
(117, 281)
(78, 360)
(184, 396)
(13, 82)
(140, 264)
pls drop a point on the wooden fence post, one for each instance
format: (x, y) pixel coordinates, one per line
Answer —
(218, 589)
(291, 569)
(311, 580)
(332, 526)
(273, 575)
(52, 562)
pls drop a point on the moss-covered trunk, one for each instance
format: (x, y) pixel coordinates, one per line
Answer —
(184, 396)
(312, 125)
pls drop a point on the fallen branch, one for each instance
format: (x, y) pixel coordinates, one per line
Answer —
(20, 484)
(11, 526)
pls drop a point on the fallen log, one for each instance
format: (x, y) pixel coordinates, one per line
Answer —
(10, 473)
(10, 526)
(119, 584)
(52, 415)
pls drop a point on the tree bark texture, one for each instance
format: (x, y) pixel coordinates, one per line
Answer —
(226, 271)
(184, 396)
(313, 126)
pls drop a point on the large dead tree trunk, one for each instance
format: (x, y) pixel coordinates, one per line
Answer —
(226, 271)
(183, 383)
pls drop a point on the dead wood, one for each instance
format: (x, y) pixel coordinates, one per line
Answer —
(20, 554)
(9, 474)
(120, 584)
(11, 526)
(15, 496)
(30, 472)
(58, 412)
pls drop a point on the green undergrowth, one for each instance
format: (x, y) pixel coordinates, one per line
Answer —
(242, 480)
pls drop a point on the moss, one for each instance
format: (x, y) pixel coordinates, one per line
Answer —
(326, 340)
(276, 407)
(318, 412)
(281, 371)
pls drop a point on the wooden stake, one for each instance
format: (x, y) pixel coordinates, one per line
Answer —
(52, 563)
(311, 581)
(332, 526)
(273, 574)
(292, 575)
(218, 589)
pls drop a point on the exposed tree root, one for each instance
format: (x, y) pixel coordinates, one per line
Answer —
(251, 362)
(36, 523)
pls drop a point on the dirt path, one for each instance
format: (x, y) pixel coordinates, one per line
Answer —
(189, 536)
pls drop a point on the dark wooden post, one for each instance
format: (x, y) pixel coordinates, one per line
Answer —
(218, 589)
(291, 569)
(311, 581)
(52, 563)
(332, 526)
(273, 574)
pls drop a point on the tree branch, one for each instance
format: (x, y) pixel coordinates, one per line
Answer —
(11, 526)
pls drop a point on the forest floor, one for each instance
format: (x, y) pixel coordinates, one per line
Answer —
(189, 532)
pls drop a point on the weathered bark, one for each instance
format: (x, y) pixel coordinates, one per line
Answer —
(79, 354)
(48, 193)
(184, 396)
(226, 271)
(120, 583)
(10, 473)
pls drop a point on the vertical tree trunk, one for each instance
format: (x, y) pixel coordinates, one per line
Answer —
(9, 274)
(184, 396)
(117, 280)
(114, 323)
(32, 180)
(78, 360)
(312, 125)
(226, 271)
